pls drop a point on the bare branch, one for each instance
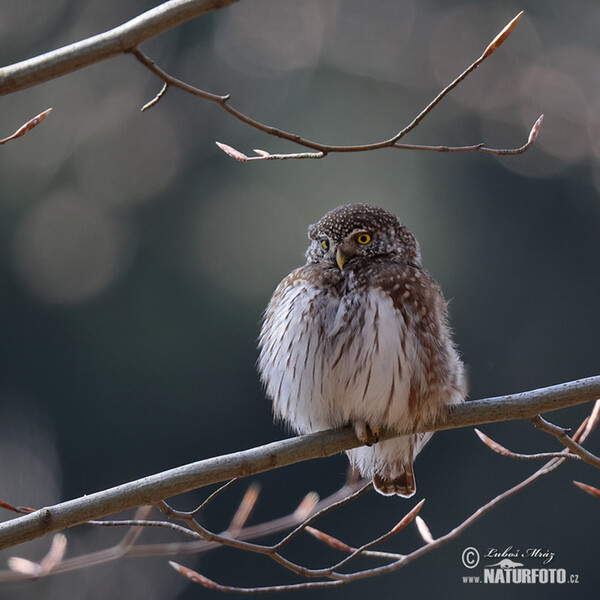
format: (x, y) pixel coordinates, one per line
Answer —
(430, 543)
(127, 38)
(499, 449)
(288, 538)
(205, 540)
(154, 488)
(365, 548)
(561, 435)
(321, 150)
(216, 493)
(111, 43)
(127, 547)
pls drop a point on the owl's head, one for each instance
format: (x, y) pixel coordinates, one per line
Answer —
(354, 233)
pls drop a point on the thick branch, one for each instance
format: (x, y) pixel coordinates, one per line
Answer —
(152, 489)
(105, 45)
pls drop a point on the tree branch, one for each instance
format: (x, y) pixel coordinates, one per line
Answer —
(127, 37)
(127, 547)
(111, 43)
(321, 150)
(335, 578)
(154, 488)
(561, 435)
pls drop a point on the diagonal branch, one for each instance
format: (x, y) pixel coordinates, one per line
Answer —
(431, 543)
(154, 488)
(561, 435)
(127, 547)
(111, 43)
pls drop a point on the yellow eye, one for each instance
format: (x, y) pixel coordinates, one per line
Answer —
(363, 238)
(325, 244)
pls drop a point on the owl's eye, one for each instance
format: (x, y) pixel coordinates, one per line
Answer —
(325, 244)
(363, 238)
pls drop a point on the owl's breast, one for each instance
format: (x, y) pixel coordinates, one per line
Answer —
(331, 355)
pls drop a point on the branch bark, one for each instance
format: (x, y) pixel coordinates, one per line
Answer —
(111, 43)
(152, 489)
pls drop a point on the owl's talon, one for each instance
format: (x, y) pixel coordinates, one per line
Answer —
(374, 434)
(365, 433)
(362, 432)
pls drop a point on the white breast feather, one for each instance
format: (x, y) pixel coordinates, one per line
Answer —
(321, 374)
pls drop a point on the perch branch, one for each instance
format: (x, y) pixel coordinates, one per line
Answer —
(154, 488)
(336, 578)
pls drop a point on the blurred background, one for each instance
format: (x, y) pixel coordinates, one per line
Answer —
(136, 260)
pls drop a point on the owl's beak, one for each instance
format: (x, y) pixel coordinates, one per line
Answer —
(340, 259)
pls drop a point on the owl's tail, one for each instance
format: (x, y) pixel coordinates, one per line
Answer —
(401, 485)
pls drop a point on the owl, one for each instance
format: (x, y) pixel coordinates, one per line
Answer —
(359, 336)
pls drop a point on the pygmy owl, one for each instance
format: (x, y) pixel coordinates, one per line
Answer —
(359, 335)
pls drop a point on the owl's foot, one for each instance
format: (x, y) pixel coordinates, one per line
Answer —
(374, 433)
(365, 433)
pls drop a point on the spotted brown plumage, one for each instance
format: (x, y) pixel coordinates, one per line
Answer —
(359, 335)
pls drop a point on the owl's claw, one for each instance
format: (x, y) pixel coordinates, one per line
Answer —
(374, 433)
(360, 429)
(365, 433)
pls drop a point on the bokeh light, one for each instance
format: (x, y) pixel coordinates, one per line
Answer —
(67, 249)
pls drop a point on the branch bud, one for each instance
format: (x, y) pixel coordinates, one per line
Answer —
(501, 37)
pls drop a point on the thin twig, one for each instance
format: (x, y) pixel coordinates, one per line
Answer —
(327, 509)
(156, 98)
(146, 523)
(274, 550)
(320, 150)
(499, 449)
(560, 434)
(408, 518)
(127, 548)
(334, 542)
(212, 496)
